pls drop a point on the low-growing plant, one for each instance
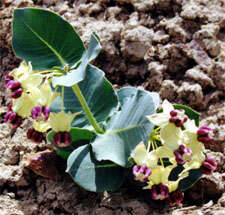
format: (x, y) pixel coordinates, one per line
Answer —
(101, 132)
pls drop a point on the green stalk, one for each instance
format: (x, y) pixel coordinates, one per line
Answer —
(86, 109)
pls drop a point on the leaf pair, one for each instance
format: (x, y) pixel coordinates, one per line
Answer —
(98, 166)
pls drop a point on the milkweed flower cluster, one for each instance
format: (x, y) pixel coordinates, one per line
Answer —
(176, 141)
(32, 96)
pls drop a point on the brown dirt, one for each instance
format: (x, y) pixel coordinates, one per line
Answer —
(174, 47)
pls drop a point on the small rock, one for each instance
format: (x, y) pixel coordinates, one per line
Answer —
(217, 73)
(135, 42)
(44, 163)
(208, 186)
(168, 90)
(161, 37)
(199, 76)
(175, 30)
(195, 52)
(192, 94)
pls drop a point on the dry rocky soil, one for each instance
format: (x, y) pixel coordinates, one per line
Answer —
(174, 47)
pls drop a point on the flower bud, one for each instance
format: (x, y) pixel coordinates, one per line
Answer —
(13, 119)
(15, 88)
(141, 173)
(8, 78)
(35, 136)
(40, 113)
(183, 155)
(176, 197)
(178, 117)
(173, 113)
(205, 134)
(160, 191)
(62, 138)
(208, 166)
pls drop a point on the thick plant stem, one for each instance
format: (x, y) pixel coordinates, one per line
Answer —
(86, 109)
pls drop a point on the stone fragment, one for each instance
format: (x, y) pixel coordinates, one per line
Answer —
(9, 206)
(208, 186)
(135, 42)
(168, 90)
(191, 93)
(44, 163)
(217, 74)
(161, 37)
(175, 30)
(195, 52)
(198, 75)
(143, 6)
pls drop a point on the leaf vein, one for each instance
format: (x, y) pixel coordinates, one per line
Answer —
(63, 62)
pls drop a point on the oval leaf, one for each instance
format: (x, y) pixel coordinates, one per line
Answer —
(126, 92)
(126, 129)
(45, 39)
(93, 175)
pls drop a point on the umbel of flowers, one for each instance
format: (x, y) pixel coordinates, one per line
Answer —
(34, 101)
(177, 139)
(100, 131)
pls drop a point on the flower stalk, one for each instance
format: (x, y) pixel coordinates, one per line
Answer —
(86, 109)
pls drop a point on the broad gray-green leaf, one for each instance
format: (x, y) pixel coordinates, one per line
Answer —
(93, 175)
(45, 39)
(99, 94)
(79, 137)
(127, 128)
(78, 74)
(126, 92)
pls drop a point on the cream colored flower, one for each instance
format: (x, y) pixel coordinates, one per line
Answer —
(162, 119)
(161, 175)
(46, 95)
(41, 126)
(26, 76)
(171, 136)
(61, 121)
(141, 156)
(196, 147)
(23, 105)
